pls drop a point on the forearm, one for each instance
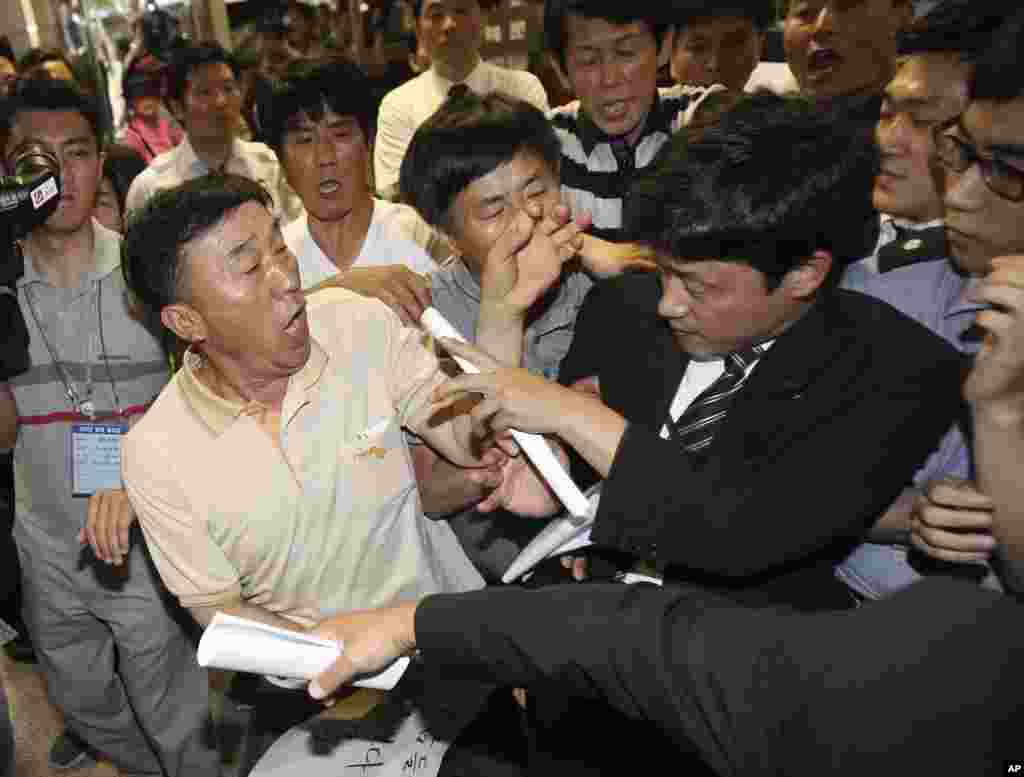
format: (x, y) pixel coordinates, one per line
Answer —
(592, 428)
(240, 609)
(499, 332)
(444, 488)
(999, 447)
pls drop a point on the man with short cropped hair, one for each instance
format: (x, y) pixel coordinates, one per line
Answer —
(317, 120)
(204, 94)
(718, 43)
(118, 666)
(911, 267)
(609, 53)
(770, 690)
(272, 476)
(843, 49)
(452, 33)
(981, 155)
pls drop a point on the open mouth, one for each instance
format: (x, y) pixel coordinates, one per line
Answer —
(330, 186)
(823, 60)
(615, 111)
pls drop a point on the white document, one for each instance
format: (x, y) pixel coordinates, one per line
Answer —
(562, 535)
(243, 645)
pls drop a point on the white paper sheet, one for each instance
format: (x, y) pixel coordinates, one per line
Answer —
(560, 536)
(243, 645)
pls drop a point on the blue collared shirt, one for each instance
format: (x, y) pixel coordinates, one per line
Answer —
(933, 293)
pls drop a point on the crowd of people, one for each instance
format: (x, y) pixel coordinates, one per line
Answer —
(780, 335)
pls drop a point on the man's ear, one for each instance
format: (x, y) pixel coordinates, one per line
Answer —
(176, 109)
(563, 77)
(185, 321)
(904, 12)
(804, 280)
(665, 51)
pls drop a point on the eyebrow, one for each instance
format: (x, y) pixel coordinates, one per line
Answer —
(249, 244)
(77, 140)
(1002, 149)
(628, 38)
(910, 103)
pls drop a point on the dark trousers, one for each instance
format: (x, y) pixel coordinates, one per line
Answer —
(10, 570)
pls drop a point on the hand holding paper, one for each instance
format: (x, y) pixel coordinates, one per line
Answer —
(533, 445)
(248, 646)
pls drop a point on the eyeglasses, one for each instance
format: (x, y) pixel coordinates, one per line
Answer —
(958, 155)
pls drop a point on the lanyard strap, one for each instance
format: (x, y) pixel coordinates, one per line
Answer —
(82, 406)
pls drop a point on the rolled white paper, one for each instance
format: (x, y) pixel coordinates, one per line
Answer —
(558, 537)
(242, 645)
(533, 445)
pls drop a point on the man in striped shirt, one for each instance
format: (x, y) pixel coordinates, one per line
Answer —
(610, 53)
(118, 666)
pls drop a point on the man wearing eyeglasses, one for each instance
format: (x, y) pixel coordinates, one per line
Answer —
(909, 267)
(982, 156)
(203, 91)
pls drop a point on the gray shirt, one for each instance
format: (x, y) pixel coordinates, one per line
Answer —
(456, 294)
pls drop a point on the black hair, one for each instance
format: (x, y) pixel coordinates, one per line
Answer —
(160, 32)
(51, 94)
(772, 182)
(152, 254)
(656, 14)
(684, 12)
(7, 51)
(468, 137)
(311, 88)
(120, 166)
(999, 72)
(144, 76)
(963, 27)
(485, 5)
(187, 58)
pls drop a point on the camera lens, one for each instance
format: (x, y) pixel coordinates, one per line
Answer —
(31, 159)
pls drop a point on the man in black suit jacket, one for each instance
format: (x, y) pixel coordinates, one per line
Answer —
(832, 420)
(925, 682)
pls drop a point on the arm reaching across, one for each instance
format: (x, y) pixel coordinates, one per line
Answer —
(407, 293)
(517, 399)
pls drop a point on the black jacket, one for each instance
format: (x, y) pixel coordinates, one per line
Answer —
(824, 435)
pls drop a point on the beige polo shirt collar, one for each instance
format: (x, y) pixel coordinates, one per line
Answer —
(218, 413)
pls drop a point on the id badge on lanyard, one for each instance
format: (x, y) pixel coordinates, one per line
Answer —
(94, 452)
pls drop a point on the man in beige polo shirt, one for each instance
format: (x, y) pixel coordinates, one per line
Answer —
(271, 477)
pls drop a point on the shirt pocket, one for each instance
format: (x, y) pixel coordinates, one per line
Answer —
(378, 463)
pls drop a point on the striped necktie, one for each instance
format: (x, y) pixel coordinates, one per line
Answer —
(696, 427)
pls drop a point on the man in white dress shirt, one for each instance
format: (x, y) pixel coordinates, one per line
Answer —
(452, 31)
(204, 92)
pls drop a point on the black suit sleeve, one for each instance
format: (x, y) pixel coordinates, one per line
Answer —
(882, 688)
(798, 475)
